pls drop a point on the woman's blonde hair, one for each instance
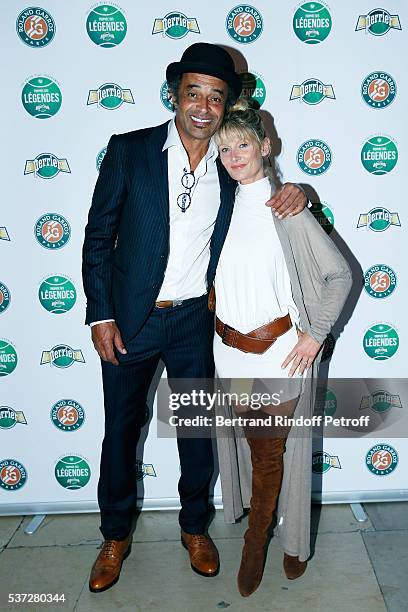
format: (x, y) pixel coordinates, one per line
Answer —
(241, 121)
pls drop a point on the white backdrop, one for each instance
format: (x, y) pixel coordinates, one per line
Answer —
(31, 451)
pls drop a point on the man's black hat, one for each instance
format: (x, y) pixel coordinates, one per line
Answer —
(205, 58)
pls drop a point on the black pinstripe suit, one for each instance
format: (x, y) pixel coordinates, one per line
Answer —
(125, 254)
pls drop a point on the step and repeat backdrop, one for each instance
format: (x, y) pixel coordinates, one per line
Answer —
(334, 78)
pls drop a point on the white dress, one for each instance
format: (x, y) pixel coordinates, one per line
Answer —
(252, 288)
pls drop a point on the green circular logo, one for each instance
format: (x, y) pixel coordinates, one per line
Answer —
(378, 89)
(380, 281)
(72, 472)
(244, 24)
(99, 158)
(8, 357)
(62, 356)
(52, 231)
(57, 294)
(35, 27)
(322, 462)
(10, 417)
(312, 22)
(13, 475)
(314, 157)
(67, 415)
(46, 166)
(164, 97)
(381, 459)
(312, 92)
(378, 22)
(253, 88)
(379, 155)
(175, 25)
(330, 403)
(110, 96)
(41, 97)
(106, 25)
(324, 215)
(381, 341)
(378, 219)
(382, 401)
(5, 297)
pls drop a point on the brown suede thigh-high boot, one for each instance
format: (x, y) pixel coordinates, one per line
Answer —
(267, 471)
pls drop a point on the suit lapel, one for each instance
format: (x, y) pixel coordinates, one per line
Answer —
(158, 165)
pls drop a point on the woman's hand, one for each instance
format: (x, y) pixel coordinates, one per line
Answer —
(303, 354)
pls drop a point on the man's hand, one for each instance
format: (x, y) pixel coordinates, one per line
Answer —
(105, 337)
(303, 354)
(288, 200)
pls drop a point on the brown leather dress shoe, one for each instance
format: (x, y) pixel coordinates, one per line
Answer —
(106, 569)
(293, 567)
(203, 553)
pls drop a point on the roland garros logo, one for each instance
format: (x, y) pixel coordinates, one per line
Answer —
(380, 281)
(52, 231)
(35, 27)
(13, 474)
(314, 157)
(244, 23)
(67, 415)
(5, 297)
(378, 89)
(381, 459)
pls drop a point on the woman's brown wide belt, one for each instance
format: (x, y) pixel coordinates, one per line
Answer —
(256, 341)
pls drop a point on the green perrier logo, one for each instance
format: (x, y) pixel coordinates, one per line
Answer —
(13, 474)
(175, 25)
(380, 401)
(106, 25)
(312, 22)
(57, 294)
(378, 22)
(312, 91)
(67, 415)
(46, 166)
(4, 297)
(72, 472)
(62, 356)
(381, 341)
(324, 215)
(253, 88)
(8, 357)
(379, 155)
(110, 96)
(9, 417)
(41, 97)
(378, 219)
(322, 462)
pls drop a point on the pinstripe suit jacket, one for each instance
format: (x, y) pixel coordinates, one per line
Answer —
(126, 243)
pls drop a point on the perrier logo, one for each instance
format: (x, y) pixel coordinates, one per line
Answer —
(380, 281)
(378, 219)
(41, 97)
(4, 235)
(46, 166)
(322, 462)
(62, 356)
(381, 341)
(4, 297)
(35, 27)
(57, 294)
(380, 401)
(110, 96)
(378, 22)
(72, 472)
(144, 469)
(379, 155)
(312, 91)
(312, 22)
(10, 417)
(378, 89)
(106, 25)
(8, 357)
(175, 25)
(67, 415)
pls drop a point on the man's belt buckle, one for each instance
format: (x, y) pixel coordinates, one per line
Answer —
(177, 302)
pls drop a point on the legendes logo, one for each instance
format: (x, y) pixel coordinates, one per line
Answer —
(67, 415)
(324, 215)
(175, 25)
(380, 281)
(106, 25)
(244, 23)
(62, 356)
(8, 357)
(41, 97)
(52, 231)
(378, 22)
(379, 155)
(378, 89)
(57, 294)
(72, 472)
(312, 91)
(253, 87)
(35, 27)
(322, 462)
(378, 219)
(380, 401)
(381, 341)
(46, 166)
(5, 297)
(381, 459)
(314, 157)
(312, 22)
(13, 474)
(10, 417)
(110, 96)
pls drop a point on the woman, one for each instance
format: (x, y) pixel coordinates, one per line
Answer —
(280, 286)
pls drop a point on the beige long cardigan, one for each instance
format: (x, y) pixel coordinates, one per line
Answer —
(321, 280)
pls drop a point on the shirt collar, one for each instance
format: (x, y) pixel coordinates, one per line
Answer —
(173, 140)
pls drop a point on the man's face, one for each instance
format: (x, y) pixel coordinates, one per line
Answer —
(201, 105)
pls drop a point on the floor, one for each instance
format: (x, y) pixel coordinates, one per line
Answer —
(360, 567)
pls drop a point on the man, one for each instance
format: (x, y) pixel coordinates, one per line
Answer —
(159, 216)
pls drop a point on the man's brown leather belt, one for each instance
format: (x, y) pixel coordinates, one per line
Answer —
(168, 303)
(256, 341)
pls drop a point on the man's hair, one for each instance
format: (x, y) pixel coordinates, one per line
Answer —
(174, 86)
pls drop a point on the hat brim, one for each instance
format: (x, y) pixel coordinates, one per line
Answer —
(231, 78)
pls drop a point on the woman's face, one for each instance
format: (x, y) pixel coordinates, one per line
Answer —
(243, 157)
